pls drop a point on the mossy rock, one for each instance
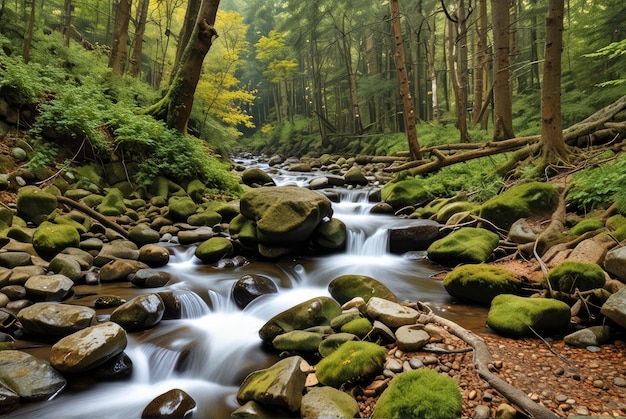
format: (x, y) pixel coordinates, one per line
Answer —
(214, 249)
(81, 227)
(21, 234)
(360, 327)
(331, 342)
(6, 217)
(355, 176)
(589, 224)
(112, 204)
(181, 207)
(466, 245)
(314, 312)
(617, 226)
(569, 276)
(346, 287)
(297, 340)
(244, 230)
(50, 239)
(422, 393)
(196, 190)
(480, 283)
(404, 193)
(331, 235)
(352, 361)
(227, 210)
(328, 402)
(205, 218)
(35, 205)
(521, 201)
(515, 316)
(448, 210)
(256, 177)
(92, 200)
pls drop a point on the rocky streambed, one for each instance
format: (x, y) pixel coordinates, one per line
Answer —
(86, 273)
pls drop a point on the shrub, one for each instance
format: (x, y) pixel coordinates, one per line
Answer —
(599, 187)
(422, 393)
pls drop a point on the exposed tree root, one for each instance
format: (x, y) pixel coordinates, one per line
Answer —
(93, 214)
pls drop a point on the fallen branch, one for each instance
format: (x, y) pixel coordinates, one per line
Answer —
(93, 214)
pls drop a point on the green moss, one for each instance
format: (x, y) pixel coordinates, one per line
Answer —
(297, 340)
(334, 341)
(112, 204)
(448, 210)
(196, 190)
(405, 192)
(50, 239)
(181, 207)
(422, 393)
(35, 205)
(360, 327)
(330, 235)
(515, 316)
(466, 245)
(350, 362)
(568, 276)
(205, 218)
(590, 224)
(214, 249)
(480, 282)
(346, 287)
(519, 202)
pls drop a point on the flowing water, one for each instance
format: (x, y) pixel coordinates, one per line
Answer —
(215, 345)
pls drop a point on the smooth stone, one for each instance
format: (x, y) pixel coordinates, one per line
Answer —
(52, 319)
(140, 313)
(48, 287)
(391, 314)
(31, 378)
(174, 403)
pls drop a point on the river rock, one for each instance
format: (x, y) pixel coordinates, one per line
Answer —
(48, 287)
(328, 402)
(299, 167)
(149, 278)
(391, 313)
(205, 218)
(466, 245)
(256, 177)
(330, 235)
(140, 313)
(181, 207)
(195, 235)
(355, 176)
(67, 265)
(615, 308)
(405, 193)
(154, 255)
(50, 239)
(297, 340)
(33, 204)
(590, 336)
(411, 338)
(117, 249)
(8, 400)
(174, 403)
(31, 378)
(19, 275)
(214, 249)
(615, 263)
(521, 201)
(416, 235)
(113, 203)
(119, 367)
(14, 292)
(142, 233)
(120, 270)
(251, 286)
(13, 259)
(280, 385)
(333, 341)
(480, 282)
(589, 251)
(522, 231)
(570, 275)
(353, 360)
(88, 348)
(314, 312)
(346, 287)
(285, 214)
(252, 409)
(44, 320)
(326, 181)
(512, 315)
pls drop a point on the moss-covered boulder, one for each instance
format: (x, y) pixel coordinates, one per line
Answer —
(422, 393)
(196, 190)
(330, 235)
(447, 211)
(244, 230)
(351, 361)
(480, 282)
(568, 276)
(280, 385)
(525, 200)
(588, 224)
(181, 207)
(214, 249)
(297, 340)
(405, 192)
(35, 205)
(359, 327)
(515, 316)
(333, 341)
(314, 312)
(466, 245)
(256, 177)
(112, 204)
(286, 214)
(6, 218)
(50, 239)
(346, 287)
(205, 218)
(355, 176)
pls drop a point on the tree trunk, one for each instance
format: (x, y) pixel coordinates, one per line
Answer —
(67, 22)
(135, 59)
(461, 60)
(175, 107)
(193, 7)
(433, 72)
(502, 96)
(553, 146)
(409, 114)
(480, 67)
(118, 49)
(357, 125)
(29, 33)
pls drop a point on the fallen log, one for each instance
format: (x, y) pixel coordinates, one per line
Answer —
(107, 222)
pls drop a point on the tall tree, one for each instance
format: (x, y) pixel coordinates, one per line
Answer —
(502, 95)
(175, 107)
(120, 35)
(28, 38)
(67, 22)
(552, 144)
(403, 80)
(140, 30)
(480, 65)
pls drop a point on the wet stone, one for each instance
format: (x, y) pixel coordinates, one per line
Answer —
(172, 404)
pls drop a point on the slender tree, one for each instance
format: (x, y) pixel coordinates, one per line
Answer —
(502, 95)
(28, 38)
(403, 80)
(120, 35)
(67, 22)
(140, 29)
(552, 144)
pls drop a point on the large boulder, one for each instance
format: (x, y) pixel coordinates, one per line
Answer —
(280, 385)
(432, 395)
(48, 287)
(417, 235)
(328, 402)
(346, 287)
(351, 361)
(404, 193)
(56, 320)
(112, 204)
(88, 348)
(31, 378)
(251, 286)
(480, 282)
(355, 176)
(181, 207)
(140, 313)
(50, 239)
(615, 308)
(330, 235)
(35, 205)
(615, 263)
(256, 177)
(214, 249)
(466, 245)
(512, 315)
(525, 200)
(568, 276)
(314, 312)
(286, 214)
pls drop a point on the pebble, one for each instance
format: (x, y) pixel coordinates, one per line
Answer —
(472, 394)
(487, 396)
(565, 407)
(598, 383)
(481, 412)
(416, 363)
(619, 382)
(561, 398)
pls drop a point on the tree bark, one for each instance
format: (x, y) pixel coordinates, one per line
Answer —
(433, 72)
(409, 114)
(140, 29)
(462, 66)
(67, 22)
(120, 35)
(480, 67)
(552, 144)
(193, 7)
(502, 95)
(29, 33)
